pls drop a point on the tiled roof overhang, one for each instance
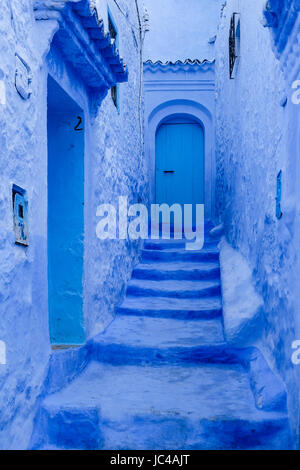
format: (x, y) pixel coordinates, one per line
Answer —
(83, 42)
(281, 16)
(187, 65)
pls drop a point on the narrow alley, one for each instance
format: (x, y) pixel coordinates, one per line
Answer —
(149, 225)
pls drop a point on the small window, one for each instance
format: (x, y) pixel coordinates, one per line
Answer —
(279, 195)
(112, 29)
(20, 215)
(115, 96)
(234, 44)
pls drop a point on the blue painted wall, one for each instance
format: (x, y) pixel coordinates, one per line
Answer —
(249, 110)
(113, 166)
(252, 128)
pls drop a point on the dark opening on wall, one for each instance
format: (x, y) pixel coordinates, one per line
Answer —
(279, 195)
(112, 29)
(234, 44)
(114, 95)
(20, 215)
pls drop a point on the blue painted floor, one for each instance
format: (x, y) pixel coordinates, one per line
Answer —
(162, 376)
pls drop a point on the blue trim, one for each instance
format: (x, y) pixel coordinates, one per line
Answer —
(18, 189)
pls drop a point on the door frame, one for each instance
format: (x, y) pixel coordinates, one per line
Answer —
(63, 109)
(200, 114)
(80, 98)
(174, 119)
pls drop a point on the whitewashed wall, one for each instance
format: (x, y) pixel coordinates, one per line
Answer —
(114, 166)
(251, 140)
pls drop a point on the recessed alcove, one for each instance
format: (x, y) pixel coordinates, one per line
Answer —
(65, 216)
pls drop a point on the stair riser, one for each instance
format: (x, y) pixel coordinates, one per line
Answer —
(160, 431)
(181, 433)
(196, 274)
(169, 256)
(174, 314)
(120, 355)
(188, 294)
(153, 405)
(167, 245)
(67, 428)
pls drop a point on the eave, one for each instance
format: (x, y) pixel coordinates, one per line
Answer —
(187, 66)
(83, 43)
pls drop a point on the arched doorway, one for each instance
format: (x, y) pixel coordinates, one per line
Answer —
(179, 162)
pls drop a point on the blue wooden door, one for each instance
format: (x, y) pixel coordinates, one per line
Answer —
(180, 163)
(65, 218)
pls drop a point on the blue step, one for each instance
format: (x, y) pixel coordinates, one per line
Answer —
(173, 288)
(177, 270)
(179, 255)
(159, 341)
(161, 376)
(174, 407)
(176, 244)
(137, 340)
(163, 307)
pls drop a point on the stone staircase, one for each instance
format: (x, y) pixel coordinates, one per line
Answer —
(162, 376)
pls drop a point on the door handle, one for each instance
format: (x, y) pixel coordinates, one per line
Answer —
(169, 171)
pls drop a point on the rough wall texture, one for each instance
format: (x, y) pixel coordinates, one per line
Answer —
(23, 296)
(251, 150)
(117, 169)
(113, 165)
(181, 30)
